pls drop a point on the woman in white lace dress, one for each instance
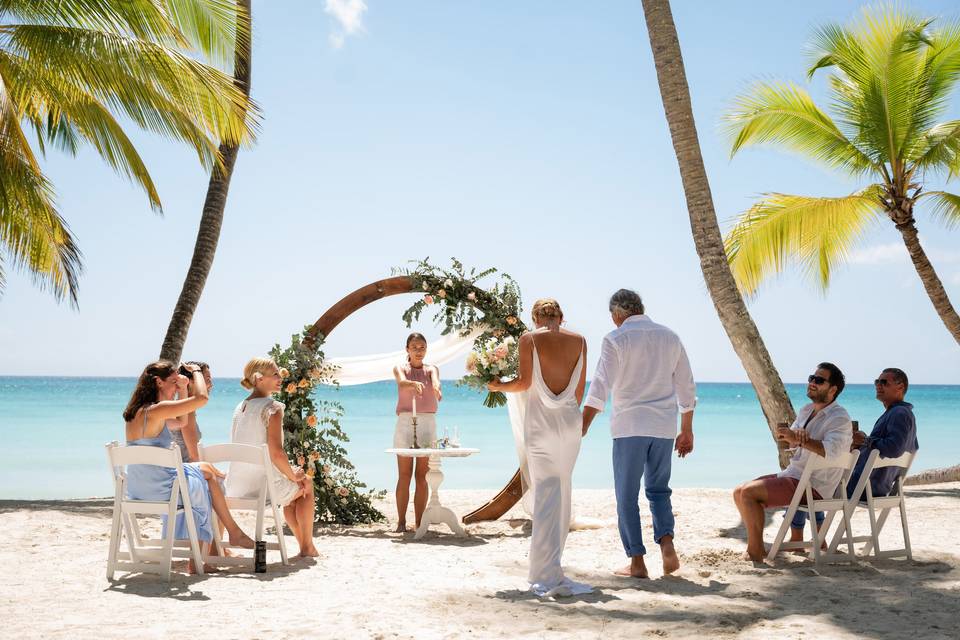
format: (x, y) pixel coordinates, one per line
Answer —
(258, 420)
(553, 373)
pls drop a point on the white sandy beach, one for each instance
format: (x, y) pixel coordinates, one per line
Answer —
(370, 583)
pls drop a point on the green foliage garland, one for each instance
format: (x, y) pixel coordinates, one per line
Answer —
(313, 435)
(460, 305)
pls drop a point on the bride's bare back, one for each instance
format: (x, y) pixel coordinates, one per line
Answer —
(558, 351)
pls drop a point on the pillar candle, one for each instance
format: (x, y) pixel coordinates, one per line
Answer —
(414, 406)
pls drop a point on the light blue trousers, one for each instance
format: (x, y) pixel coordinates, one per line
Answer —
(643, 458)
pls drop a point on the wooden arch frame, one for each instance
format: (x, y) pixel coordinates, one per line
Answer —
(513, 491)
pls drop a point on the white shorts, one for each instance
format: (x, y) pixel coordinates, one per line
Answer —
(426, 431)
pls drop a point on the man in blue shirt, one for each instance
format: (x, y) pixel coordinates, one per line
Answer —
(894, 433)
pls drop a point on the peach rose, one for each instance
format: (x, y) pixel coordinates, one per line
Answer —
(472, 297)
(303, 384)
(442, 293)
(343, 492)
(312, 422)
(301, 460)
(428, 299)
(511, 320)
(284, 373)
(311, 472)
(292, 387)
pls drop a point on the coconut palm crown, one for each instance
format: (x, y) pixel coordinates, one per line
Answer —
(70, 71)
(891, 76)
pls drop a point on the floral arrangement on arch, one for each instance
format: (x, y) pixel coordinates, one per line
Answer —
(460, 305)
(313, 435)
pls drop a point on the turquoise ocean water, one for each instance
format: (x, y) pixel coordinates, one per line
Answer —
(52, 432)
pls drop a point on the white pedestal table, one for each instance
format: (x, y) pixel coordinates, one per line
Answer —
(435, 512)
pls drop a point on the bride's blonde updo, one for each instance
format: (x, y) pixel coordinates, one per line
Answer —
(546, 309)
(254, 370)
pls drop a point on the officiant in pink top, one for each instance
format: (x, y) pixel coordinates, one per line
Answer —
(418, 391)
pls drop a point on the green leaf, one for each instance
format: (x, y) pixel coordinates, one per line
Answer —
(816, 233)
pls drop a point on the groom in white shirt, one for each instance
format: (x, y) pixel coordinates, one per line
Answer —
(645, 366)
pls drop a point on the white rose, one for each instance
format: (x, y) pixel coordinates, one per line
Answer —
(343, 501)
(328, 481)
(448, 283)
(426, 287)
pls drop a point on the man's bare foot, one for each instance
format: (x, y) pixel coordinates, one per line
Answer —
(752, 556)
(309, 552)
(636, 569)
(240, 539)
(671, 562)
(401, 528)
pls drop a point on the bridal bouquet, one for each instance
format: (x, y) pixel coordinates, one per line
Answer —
(491, 359)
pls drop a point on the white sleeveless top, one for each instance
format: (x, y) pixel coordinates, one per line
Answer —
(250, 420)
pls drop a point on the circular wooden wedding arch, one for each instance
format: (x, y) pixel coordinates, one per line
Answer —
(513, 491)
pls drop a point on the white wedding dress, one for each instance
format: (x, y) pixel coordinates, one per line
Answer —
(552, 434)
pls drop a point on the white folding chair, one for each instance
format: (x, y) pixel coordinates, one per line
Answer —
(144, 555)
(829, 505)
(862, 496)
(254, 455)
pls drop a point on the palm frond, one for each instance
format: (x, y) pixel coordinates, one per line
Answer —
(946, 208)
(144, 19)
(784, 114)
(35, 238)
(879, 82)
(816, 233)
(939, 149)
(208, 26)
(211, 26)
(129, 74)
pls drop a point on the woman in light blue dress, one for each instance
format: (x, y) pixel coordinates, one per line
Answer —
(150, 415)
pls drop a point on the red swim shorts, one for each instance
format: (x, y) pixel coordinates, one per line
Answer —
(780, 490)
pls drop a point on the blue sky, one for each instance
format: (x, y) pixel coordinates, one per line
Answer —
(523, 135)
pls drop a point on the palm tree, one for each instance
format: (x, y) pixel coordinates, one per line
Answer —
(891, 78)
(731, 309)
(68, 70)
(211, 220)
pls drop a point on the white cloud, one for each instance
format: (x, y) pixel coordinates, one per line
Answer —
(349, 17)
(880, 254)
(896, 253)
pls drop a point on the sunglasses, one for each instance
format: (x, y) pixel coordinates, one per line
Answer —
(817, 379)
(881, 382)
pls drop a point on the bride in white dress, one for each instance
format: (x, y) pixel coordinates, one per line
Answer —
(553, 374)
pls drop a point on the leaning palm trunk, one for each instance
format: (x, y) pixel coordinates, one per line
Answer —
(731, 309)
(931, 282)
(208, 235)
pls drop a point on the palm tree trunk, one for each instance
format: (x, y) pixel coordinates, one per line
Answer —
(931, 282)
(731, 309)
(208, 235)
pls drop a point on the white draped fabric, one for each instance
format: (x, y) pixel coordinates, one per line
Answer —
(377, 367)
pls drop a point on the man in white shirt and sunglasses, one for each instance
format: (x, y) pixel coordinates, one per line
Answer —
(822, 428)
